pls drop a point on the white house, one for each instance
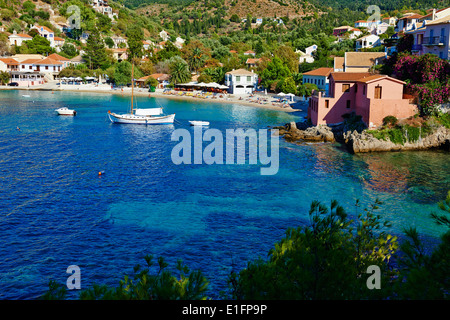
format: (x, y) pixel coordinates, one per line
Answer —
(311, 49)
(47, 33)
(164, 35)
(9, 64)
(241, 81)
(118, 40)
(303, 57)
(368, 41)
(379, 28)
(250, 53)
(16, 39)
(361, 24)
(389, 20)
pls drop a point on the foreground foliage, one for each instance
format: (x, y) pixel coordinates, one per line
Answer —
(333, 257)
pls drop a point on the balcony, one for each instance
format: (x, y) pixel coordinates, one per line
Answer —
(417, 47)
(434, 41)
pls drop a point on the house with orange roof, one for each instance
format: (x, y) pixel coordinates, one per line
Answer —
(9, 64)
(65, 61)
(249, 53)
(162, 78)
(252, 62)
(16, 39)
(47, 33)
(319, 77)
(120, 54)
(59, 42)
(346, 32)
(371, 96)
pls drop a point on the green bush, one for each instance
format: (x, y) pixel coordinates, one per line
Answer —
(390, 120)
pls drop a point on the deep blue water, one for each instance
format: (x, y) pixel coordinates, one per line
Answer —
(56, 211)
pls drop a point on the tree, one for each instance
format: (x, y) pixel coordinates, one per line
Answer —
(152, 282)
(95, 51)
(38, 45)
(327, 259)
(275, 71)
(69, 51)
(109, 42)
(195, 54)
(4, 77)
(122, 73)
(288, 56)
(152, 82)
(179, 71)
(307, 89)
(135, 36)
(287, 85)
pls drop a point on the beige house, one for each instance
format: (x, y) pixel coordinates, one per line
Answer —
(120, 54)
(358, 61)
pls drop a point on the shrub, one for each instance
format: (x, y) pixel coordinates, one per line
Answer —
(390, 121)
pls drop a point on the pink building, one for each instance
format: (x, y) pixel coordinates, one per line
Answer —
(371, 96)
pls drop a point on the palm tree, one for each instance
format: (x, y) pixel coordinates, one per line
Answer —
(196, 59)
(179, 72)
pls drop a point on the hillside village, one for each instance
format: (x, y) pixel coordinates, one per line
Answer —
(348, 69)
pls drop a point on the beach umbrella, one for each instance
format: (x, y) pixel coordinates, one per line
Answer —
(291, 95)
(223, 87)
(201, 84)
(281, 94)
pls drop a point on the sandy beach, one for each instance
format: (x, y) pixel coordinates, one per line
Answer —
(257, 100)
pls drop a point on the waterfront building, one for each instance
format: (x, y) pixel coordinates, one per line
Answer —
(371, 96)
(319, 77)
(241, 81)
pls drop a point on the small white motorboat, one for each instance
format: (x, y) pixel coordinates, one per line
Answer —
(199, 123)
(26, 95)
(64, 111)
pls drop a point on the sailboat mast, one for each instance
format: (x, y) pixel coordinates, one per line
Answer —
(132, 85)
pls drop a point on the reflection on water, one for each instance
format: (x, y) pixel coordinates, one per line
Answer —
(423, 175)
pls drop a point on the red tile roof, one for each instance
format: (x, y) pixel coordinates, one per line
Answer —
(9, 61)
(319, 72)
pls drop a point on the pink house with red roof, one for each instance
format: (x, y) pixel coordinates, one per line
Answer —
(373, 97)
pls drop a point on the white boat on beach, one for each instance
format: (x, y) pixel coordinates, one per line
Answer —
(64, 111)
(141, 116)
(199, 123)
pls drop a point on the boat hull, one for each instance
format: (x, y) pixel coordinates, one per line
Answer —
(146, 120)
(66, 112)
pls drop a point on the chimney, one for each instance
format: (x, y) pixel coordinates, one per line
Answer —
(433, 17)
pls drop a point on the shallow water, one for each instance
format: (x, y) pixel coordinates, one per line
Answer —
(56, 211)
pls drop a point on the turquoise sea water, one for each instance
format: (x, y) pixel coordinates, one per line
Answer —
(56, 211)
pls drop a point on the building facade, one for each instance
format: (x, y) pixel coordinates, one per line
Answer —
(373, 97)
(241, 81)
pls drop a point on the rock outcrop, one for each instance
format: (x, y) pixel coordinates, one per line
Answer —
(313, 134)
(365, 142)
(360, 141)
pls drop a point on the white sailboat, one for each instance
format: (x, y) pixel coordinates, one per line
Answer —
(141, 116)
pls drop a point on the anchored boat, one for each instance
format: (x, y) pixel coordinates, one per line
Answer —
(64, 111)
(141, 116)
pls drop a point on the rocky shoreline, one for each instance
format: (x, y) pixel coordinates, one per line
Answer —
(360, 141)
